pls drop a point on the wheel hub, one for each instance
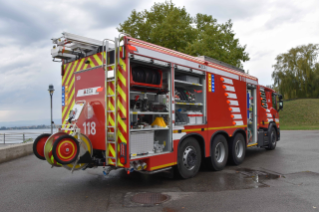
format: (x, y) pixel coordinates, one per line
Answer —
(239, 148)
(189, 157)
(220, 152)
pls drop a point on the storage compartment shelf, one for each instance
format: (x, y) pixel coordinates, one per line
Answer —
(133, 130)
(187, 83)
(149, 113)
(189, 103)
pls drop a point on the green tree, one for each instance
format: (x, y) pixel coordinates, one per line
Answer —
(172, 27)
(296, 73)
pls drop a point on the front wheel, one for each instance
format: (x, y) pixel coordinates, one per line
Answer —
(189, 158)
(272, 139)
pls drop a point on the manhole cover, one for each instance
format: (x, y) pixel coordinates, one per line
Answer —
(149, 198)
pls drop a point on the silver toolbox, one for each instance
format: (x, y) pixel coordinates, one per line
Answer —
(142, 141)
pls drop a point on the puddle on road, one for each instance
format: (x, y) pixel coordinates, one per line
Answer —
(257, 175)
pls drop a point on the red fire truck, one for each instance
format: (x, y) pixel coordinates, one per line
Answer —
(131, 104)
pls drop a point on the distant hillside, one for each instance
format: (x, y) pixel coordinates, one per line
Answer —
(300, 114)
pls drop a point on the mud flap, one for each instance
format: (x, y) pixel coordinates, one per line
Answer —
(262, 138)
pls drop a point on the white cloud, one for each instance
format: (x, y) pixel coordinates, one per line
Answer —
(267, 27)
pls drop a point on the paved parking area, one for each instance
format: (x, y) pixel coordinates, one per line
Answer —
(286, 179)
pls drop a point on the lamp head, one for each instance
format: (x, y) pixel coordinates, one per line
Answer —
(51, 89)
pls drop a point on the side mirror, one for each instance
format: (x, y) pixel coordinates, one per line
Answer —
(281, 105)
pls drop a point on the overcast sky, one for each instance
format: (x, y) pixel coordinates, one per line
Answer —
(267, 27)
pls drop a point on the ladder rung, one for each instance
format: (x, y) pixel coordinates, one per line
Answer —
(110, 95)
(111, 80)
(111, 157)
(110, 126)
(111, 111)
(111, 142)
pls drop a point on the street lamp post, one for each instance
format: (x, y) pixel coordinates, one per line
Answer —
(51, 90)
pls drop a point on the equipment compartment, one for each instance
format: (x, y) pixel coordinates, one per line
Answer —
(150, 109)
(189, 98)
(146, 77)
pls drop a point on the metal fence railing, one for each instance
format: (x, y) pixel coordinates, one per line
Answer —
(12, 138)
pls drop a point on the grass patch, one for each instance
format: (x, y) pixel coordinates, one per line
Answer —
(300, 114)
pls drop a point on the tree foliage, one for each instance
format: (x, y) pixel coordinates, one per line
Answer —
(172, 27)
(296, 73)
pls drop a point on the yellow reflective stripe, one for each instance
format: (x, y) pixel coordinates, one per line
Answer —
(121, 122)
(163, 166)
(252, 145)
(122, 64)
(121, 107)
(80, 65)
(120, 76)
(228, 127)
(112, 150)
(91, 63)
(72, 71)
(65, 111)
(109, 90)
(110, 106)
(86, 65)
(211, 128)
(121, 92)
(66, 72)
(72, 82)
(98, 60)
(111, 121)
(119, 134)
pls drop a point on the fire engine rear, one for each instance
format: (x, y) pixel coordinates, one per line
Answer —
(131, 104)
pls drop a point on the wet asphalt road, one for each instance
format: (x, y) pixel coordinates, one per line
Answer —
(28, 184)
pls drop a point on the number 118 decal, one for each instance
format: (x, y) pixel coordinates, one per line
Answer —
(89, 128)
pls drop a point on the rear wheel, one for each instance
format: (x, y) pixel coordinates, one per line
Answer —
(272, 139)
(237, 149)
(38, 145)
(219, 153)
(189, 158)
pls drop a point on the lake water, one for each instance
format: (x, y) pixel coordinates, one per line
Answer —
(16, 136)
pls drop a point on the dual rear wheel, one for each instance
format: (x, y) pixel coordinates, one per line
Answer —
(190, 154)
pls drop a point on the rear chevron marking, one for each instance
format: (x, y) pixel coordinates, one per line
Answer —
(66, 72)
(80, 65)
(98, 60)
(121, 77)
(120, 121)
(72, 71)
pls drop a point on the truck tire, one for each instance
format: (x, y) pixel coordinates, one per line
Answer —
(38, 145)
(219, 153)
(189, 158)
(272, 139)
(237, 149)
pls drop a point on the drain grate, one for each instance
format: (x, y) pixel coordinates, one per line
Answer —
(149, 198)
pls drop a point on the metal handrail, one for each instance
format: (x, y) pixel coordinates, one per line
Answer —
(18, 137)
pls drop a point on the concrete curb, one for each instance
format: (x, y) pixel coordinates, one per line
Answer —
(15, 151)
